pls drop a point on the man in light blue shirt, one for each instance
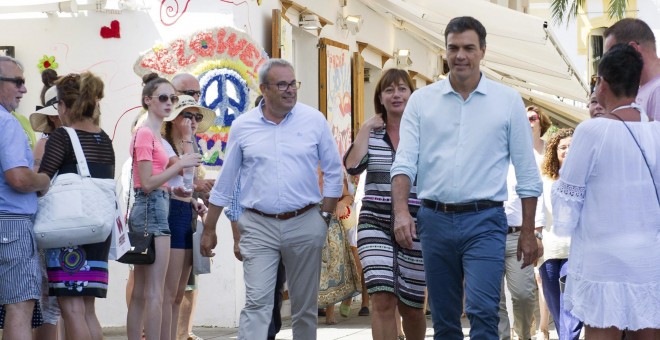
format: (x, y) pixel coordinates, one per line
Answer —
(20, 273)
(458, 137)
(277, 148)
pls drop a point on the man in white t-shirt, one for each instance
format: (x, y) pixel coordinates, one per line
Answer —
(639, 35)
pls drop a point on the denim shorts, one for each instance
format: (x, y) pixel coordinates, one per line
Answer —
(180, 224)
(150, 210)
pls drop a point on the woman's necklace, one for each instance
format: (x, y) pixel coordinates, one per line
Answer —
(642, 115)
(629, 106)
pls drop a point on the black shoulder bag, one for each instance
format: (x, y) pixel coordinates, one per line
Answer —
(143, 249)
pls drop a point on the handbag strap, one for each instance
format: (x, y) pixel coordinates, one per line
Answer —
(83, 169)
(130, 181)
(643, 155)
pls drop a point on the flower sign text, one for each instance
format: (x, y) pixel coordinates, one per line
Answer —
(182, 55)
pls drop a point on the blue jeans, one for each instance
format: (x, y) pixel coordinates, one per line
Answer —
(568, 326)
(463, 247)
(150, 211)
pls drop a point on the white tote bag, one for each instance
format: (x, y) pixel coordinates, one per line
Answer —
(120, 242)
(77, 209)
(201, 264)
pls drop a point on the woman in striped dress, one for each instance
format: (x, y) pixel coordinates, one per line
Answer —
(394, 275)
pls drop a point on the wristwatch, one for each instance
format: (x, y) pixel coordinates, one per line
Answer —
(326, 216)
(539, 235)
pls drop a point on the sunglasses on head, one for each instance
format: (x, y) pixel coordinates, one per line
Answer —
(18, 81)
(191, 93)
(163, 98)
(198, 116)
(533, 118)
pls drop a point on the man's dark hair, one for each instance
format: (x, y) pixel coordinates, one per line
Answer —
(462, 24)
(622, 67)
(629, 29)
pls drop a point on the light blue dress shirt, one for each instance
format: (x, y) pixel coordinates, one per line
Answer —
(460, 149)
(234, 210)
(278, 162)
(14, 152)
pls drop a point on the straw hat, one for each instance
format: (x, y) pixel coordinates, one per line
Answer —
(187, 102)
(39, 119)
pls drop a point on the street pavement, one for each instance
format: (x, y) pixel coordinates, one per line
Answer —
(352, 328)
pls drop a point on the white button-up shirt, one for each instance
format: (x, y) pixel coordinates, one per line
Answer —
(278, 163)
(460, 149)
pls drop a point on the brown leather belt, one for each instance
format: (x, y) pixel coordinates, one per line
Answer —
(284, 215)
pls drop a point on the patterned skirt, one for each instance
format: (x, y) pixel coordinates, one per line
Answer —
(339, 277)
(390, 268)
(78, 271)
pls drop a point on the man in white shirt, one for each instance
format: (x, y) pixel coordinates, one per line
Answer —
(520, 281)
(458, 137)
(276, 148)
(639, 35)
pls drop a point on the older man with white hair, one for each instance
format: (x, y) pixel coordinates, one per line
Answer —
(20, 273)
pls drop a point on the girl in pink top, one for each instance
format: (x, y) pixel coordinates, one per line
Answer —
(151, 207)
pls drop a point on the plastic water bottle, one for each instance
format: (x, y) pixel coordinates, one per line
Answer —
(188, 177)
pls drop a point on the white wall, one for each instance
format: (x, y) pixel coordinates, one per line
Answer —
(649, 11)
(77, 46)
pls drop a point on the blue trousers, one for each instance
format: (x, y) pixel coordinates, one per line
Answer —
(460, 247)
(568, 326)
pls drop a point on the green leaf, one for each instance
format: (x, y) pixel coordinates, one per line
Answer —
(565, 10)
(617, 9)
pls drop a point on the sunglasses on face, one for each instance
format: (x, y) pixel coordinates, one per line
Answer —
(18, 81)
(533, 118)
(163, 98)
(191, 93)
(198, 116)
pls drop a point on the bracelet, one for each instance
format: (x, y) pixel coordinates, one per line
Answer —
(186, 141)
(348, 213)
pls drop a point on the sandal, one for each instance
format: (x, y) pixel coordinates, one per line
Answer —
(192, 336)
(345, 310)
(364, 311)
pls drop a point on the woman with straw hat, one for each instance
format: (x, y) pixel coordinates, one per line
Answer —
(45, 120)
(187, 119)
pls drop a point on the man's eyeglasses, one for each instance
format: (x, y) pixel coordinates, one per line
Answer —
(198, 116)
(18, 81)
(191, 93)
(283, 86)
(533, 118)
(163, 98)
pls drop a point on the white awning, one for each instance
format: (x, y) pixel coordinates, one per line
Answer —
(521, 50)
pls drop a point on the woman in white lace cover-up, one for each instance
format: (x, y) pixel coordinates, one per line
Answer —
(607, 201)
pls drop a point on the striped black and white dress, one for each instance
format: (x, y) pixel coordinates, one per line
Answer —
(387, 266)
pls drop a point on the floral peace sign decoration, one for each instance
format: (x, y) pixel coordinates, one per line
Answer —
(225, 60)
